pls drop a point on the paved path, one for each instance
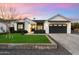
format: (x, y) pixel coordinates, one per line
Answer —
(68, 41)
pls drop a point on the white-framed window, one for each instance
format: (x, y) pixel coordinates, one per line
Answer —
(20, 26)
(55, 24)
(59, 24)
(64, 25)
(50, 25)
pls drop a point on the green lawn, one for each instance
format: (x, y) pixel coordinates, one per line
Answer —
(19, 38)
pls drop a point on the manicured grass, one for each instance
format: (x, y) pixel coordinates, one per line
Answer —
(19, 38)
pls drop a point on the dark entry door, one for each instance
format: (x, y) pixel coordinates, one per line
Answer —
(58, 29)
(11, 29)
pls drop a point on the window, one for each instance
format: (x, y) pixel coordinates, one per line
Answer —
(39, 27)
(59, 24)
(50, 25)
(55, 24)
(20, 25)
(64, 24)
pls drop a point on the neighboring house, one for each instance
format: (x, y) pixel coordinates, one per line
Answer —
(2, 27)
(55, 24)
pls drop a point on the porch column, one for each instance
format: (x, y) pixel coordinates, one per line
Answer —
(69, 27)
(46, 27)
(29, 28)
(26, 26)
(15, 26)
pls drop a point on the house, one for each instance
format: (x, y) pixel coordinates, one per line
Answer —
(55, 24)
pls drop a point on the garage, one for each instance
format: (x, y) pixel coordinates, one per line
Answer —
(57, 28)
(58, 24)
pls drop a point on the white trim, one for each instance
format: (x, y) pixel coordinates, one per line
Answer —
(15, 26)
(46, 27)
(69, 28)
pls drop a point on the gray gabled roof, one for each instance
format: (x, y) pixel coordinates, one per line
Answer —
(66, 19)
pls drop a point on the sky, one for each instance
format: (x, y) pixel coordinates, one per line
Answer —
(44, 11)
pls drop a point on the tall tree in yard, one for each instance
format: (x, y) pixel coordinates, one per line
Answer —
(7, 14)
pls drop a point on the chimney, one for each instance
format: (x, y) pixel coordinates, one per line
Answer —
(34, 18)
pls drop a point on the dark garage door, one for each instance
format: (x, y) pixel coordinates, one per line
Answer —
(58, 29)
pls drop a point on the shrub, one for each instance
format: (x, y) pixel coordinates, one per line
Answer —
(39, 31)
(24, 31)
(75, 26)
(21, 31)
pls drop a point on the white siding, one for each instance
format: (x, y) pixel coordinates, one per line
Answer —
(26, 26)
(68, 27)
(46, 26)
(58, 18)
(12, 24)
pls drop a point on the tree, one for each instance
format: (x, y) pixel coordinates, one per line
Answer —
(7, 14)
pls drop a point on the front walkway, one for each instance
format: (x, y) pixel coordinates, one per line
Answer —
(68, 41)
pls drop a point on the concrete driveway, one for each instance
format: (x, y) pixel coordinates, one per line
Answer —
(68, 41)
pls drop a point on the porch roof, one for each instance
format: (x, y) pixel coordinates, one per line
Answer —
(39, 21)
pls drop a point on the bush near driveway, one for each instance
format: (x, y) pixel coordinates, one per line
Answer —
(75, 27)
